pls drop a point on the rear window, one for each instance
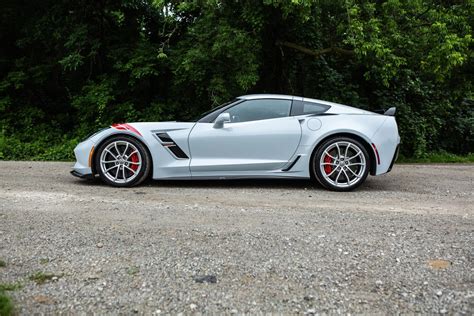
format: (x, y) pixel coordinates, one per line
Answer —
(306, 108)
(314, 108)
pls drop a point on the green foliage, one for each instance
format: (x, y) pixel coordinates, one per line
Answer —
(391, 36)
(439, 157)
(133, 270)
(10, 287)
(44, 261)
(43, 147)
(42, 277)
(94, 102)
(6, 305)
(69, 68)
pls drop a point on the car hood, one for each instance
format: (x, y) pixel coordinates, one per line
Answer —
(141, 129)
(169, 125)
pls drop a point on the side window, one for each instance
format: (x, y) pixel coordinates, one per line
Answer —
(305, 108)
(263, 109)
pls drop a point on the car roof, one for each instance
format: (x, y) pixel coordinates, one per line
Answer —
(335, 107)
(283, 97)
(266, 96)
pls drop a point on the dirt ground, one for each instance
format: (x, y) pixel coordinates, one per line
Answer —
(402, 242)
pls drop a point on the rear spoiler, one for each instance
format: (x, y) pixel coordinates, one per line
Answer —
(391, 111)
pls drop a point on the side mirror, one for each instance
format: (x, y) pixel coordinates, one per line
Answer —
(221, 119)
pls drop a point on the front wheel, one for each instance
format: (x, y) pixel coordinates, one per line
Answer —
(122, 161)
(341, 164)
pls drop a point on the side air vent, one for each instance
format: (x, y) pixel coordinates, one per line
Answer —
(172, 147)
(165, 138)
(292, 164)
(178, 152)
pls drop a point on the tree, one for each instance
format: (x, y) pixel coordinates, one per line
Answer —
(68, 68)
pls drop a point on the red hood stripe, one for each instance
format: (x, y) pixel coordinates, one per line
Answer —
(126, 127)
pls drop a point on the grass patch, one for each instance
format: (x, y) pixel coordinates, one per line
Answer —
(3, 264)
(133, 270)
(44, 260)
(6, 305)
(439, 157)
(10, 287)
(41, 277)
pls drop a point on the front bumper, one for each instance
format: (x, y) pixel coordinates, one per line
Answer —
(82, 167)
(89, 176)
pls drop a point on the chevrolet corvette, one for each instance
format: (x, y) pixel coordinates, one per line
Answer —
(253, 136)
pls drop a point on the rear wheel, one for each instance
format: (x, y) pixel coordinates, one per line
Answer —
(341, 164)
(122, 161)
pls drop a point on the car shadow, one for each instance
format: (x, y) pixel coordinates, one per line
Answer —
(371, 184)
(227, 183)
(237, 183)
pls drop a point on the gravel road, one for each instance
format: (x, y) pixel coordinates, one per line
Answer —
(402, 243)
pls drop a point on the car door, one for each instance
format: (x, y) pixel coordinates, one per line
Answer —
(260, 136)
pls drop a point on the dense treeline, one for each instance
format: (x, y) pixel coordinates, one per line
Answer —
(69, 67)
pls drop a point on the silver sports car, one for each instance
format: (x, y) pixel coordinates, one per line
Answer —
(253, 136)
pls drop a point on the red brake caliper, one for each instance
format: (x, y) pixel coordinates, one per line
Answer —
(327, 168)
(134, 158)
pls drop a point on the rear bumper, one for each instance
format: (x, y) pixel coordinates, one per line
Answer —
(386, 140)
(395, 157)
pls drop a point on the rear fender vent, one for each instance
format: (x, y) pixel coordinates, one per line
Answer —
(292, 164)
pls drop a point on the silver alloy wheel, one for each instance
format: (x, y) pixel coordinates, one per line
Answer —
(120, 161)
(342, 164)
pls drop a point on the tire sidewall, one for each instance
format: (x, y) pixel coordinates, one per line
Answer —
(316, 171)
(144, 171)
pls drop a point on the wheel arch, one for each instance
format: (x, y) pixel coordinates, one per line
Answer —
(364, 142)
(99, 143)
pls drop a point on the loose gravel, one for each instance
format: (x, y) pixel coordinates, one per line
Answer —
(402, 243)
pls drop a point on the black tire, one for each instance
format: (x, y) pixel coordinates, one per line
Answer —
(316, 171)
(144, 159)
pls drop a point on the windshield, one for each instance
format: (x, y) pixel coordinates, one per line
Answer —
(212, 110)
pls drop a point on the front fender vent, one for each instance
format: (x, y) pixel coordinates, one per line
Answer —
(167, 142)
(165, 138)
